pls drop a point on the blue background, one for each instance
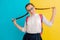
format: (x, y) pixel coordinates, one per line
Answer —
(11, 9)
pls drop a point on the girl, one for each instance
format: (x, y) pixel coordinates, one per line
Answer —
(33, 25)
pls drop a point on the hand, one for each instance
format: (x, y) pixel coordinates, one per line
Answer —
(14, 20)
(54, 10)
(53, 7)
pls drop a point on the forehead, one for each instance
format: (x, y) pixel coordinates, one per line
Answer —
(29, 6)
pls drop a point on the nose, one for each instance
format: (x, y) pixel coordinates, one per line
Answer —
(31, 11)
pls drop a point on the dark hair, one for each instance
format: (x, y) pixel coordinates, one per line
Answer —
(22, 16)
(29, 4)
(27, 12)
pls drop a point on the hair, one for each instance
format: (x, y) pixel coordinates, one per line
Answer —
(22, 16)
(28, 13)
(29, 4)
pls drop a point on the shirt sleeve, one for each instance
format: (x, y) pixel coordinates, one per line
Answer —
(24, 28)
(49, 23)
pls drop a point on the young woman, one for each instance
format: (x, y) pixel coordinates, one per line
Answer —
(33, 25)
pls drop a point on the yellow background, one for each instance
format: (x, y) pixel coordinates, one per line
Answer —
(53, 32)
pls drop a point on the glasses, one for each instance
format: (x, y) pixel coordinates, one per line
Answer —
(30, 9)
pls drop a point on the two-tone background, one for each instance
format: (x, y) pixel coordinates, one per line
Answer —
(14, 8)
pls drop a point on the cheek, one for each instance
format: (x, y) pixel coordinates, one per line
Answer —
(34, 9)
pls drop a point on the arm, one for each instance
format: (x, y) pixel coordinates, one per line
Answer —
(49, 23)
(53, 14)
(46, 21)
(19, 27)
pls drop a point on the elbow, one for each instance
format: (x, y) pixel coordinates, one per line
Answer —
(50, 24)
(23, 30)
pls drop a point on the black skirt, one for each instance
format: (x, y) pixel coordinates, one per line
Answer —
(28, 36)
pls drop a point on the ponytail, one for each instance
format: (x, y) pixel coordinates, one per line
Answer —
(42, 8)
(22, 16)
(28, 13)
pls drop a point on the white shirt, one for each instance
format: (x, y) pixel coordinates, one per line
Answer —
(34, 24)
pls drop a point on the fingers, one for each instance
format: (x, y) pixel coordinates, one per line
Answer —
(53, 7)
(13, 19)
(54, 10)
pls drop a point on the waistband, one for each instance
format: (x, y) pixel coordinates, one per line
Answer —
(33, 33)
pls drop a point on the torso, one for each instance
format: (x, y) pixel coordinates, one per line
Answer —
(34, 24)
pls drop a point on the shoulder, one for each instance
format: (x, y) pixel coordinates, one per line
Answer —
(41, 15)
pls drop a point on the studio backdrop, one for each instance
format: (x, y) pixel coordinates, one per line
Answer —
(14, 8)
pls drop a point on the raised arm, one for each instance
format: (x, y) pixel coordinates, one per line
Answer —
(49, 23)
(53, 14)
(19, 27)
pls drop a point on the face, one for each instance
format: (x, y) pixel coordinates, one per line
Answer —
(30, 9)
